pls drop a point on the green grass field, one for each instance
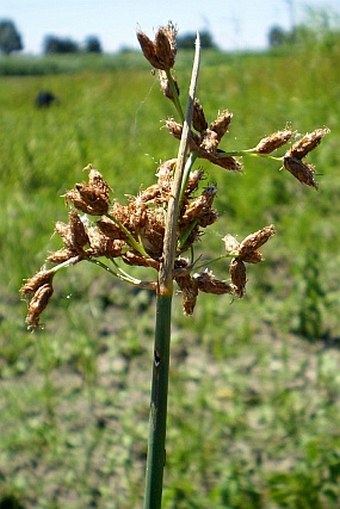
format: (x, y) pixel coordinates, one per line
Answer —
(253, 412)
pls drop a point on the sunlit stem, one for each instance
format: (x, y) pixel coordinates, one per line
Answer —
(217, 259)
(174, 91)
(247, 152)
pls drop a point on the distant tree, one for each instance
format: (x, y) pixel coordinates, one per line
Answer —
(186, 41)
(53, 44)
(92, 44)
(277, 36)
(10, 39)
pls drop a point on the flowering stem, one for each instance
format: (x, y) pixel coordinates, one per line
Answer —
(160, 375)
(174, 91)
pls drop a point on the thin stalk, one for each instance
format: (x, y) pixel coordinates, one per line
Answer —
(160, 374)
(158, 406)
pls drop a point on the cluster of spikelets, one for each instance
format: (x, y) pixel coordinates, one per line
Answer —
(99, 227)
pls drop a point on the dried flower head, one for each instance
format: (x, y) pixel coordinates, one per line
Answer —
(189, 289)
(221, 124)
(37, 305)
(307, 143)
(303, 172)
(248, 251)
(199, 207)
(199, 121)
(208, 283)
(238, 276)
(161, 52)
(92, 198)
(273, 141)
(39, 279)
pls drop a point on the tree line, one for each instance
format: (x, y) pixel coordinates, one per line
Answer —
(11, 40)
(315, 30)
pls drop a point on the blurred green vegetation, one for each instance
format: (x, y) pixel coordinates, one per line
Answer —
(252, 419)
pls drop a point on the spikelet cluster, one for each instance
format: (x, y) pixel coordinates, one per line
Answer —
(100, 227)
(293, 159)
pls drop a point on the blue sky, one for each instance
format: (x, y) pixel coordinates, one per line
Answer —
(235, 24)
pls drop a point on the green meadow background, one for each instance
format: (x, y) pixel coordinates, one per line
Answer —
(253, 411)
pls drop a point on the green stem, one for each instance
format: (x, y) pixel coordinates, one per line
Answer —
(175, 95)
(158, 406)
(160, 375)
(247, 152)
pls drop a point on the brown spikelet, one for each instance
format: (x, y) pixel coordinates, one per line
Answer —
(37, 305)
(131, 258)
(210, 141)
(227, 162)
(273, 141)
(248, 251)
(200, 206)
(162, 52)
(189, 289)
(104, 246)
(307, 143)
(165, 46)
(208, 283)
(41, 278)
(221, 124)
(199, 121)
(257, 239)
(303, 172)
(193, 181)
(110, 228)
(238, 275)
(150, 193)
(174, 128)
(165, 175)
(62, 255)
(92, 198)
(148, 49)
(77, 230)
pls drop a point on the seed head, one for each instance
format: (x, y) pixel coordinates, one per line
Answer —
(221, 124)
(198, 118)
(238, 275)
(37, 305)
(161, 52)
(189, 289)
(273, 141)
(208, 283)
(227, 162)
(307, 143)
(210, 140)
(303, 172)
(199, 207)
(42, 278)
(249, 247)
(61, 255)
(256, 240)
(92, 198)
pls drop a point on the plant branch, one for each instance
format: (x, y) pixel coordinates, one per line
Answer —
(170, 235)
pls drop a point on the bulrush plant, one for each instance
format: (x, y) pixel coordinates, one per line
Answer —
(161, 225)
